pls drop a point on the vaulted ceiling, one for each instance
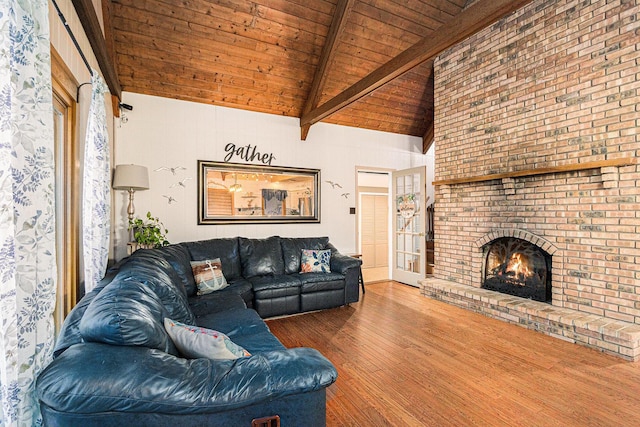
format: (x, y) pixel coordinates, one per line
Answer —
(361, 63)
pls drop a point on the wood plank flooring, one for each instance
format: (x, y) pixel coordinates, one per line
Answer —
(406, 360)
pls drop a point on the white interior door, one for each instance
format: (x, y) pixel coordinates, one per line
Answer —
(374, 231)
(409, 193)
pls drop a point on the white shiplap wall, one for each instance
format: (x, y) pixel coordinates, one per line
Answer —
(168, 132)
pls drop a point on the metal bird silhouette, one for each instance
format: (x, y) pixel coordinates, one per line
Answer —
(345, 195)
(334, 184)
(180, 183)
(170, 199)
(170, 169)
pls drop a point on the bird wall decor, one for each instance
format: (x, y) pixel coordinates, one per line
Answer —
(334, 184)
(173, 170)
(180, 183)
(170, 199)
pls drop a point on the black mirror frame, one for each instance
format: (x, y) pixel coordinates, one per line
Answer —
(204, 219)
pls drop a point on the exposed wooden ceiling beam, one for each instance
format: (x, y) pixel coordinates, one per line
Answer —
(109, 38)
(343, 8)
(89, 19)
(471, 20)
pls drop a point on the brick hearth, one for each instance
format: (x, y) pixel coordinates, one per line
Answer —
(536, 136)
(607, 335)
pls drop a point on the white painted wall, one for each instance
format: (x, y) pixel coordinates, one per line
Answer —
(167, 132)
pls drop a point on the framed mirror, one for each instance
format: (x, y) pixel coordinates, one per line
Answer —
(232, 193)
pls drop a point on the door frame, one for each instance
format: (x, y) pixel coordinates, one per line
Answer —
(386, 171)
(68, 182)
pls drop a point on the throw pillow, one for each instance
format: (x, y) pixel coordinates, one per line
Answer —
(208, 276)
(315, 261)
(195, 342)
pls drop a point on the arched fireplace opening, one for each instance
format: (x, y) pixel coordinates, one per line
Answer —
(517, 267)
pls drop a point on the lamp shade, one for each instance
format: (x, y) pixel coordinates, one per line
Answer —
(131, 177)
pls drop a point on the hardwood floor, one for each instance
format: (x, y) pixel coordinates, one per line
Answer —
(376, 274)
(406, 360)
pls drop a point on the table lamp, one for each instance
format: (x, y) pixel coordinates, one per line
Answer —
(131, 178)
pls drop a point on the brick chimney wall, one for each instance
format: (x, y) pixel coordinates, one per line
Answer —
(556, 84)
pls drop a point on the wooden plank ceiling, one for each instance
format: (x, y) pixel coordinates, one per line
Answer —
(263, 55)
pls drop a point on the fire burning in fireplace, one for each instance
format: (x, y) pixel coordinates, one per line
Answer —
(517, 267)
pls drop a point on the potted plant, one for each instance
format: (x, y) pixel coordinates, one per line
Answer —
(149, 233)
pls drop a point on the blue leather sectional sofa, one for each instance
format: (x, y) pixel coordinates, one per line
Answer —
(115, 365)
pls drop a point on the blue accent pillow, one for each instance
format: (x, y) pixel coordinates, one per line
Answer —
(315, 261)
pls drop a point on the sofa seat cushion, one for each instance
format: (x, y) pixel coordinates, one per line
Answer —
(215, 303)
(242, 287)
(261, 257)
(284, 281)
(306, 278)
(244, 327)
(292, 250)
(234, 323)
(276, 295)
(225, 249)
(308, 288)
(260, 342)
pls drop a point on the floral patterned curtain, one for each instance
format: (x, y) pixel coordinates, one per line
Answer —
(27, 211)
(96, 200)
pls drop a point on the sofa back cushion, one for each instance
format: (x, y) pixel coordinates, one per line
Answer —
(150, 268)
(292, 250)
(261, 257)
(226, 249)
(70, 330)
(128, 313)
(180, 259)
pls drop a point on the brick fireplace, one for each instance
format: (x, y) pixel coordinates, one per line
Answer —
(537, 138)
(516, 266)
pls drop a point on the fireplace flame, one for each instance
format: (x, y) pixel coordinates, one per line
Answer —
(519, 266)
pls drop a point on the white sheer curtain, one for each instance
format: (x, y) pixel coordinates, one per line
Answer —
(27, 214)
(96, 201)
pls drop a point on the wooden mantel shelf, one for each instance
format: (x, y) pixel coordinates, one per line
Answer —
(626, 161)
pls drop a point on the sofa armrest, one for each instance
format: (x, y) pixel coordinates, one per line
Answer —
(94, 377)
(342, 263)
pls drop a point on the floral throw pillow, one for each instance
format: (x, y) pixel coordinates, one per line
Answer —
(315, 261)
(208, 276)
(195, 342)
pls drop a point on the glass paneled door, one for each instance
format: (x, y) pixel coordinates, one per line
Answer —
(409, 192)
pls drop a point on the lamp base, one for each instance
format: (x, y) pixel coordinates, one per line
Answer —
(131, 210)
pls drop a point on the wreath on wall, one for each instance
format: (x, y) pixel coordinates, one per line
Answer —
(407, 205)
